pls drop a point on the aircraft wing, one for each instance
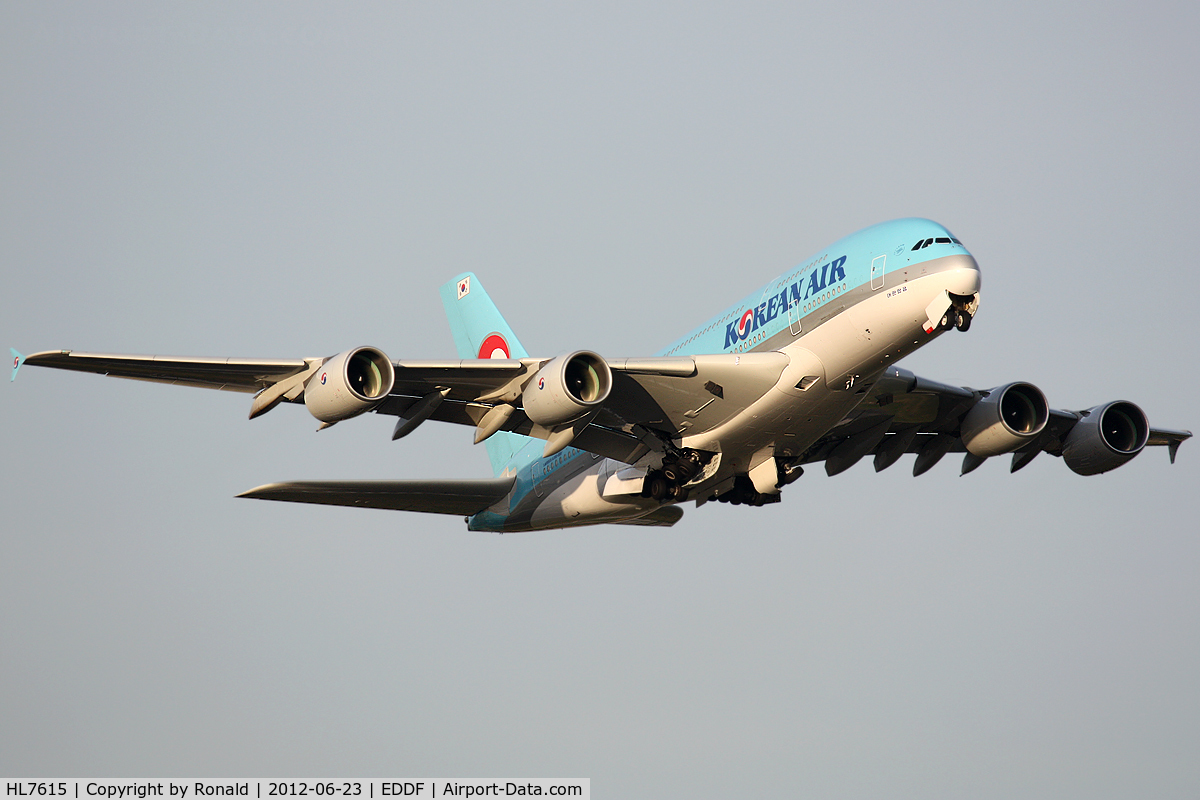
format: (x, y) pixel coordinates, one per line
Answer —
(230, 374)
(905, 413)
(651, 399)
(463, 498)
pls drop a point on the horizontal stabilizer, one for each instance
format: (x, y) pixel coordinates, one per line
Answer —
(463, 498)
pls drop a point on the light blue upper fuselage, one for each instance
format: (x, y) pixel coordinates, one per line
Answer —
(808, 291)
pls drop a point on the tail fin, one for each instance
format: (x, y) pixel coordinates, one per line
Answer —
(18, 360)
(480, 331)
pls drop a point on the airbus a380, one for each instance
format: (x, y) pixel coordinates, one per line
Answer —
(800, 371)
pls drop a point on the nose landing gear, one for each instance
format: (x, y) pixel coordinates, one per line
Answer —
(958, 315)
(956, 319)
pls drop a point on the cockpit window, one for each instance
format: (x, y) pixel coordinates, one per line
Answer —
(921, 245)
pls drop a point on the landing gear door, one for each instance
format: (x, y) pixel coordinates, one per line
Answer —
(877, 272)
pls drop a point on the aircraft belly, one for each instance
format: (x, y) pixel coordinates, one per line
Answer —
(788, 423)
(564, 499)
(579, 500)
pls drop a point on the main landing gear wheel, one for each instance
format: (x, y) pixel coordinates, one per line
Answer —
(656, 486)
(963, 323)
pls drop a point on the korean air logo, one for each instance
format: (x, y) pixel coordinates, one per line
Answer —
(541, 384)
(744, 328)
(788, 297)
(494, 346)
(324, 375)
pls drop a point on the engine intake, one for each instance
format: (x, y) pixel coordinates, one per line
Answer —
(567, 388)
(348, 384)
(1006, 420)
(1106, 438)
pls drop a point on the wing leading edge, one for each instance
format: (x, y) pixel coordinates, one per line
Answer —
(230, 374)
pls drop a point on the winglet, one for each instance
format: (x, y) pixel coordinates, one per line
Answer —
(1173, 447)
(1172, 439)
(18, 360)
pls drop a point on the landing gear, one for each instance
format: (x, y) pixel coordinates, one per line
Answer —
(959, 318)
(656, 486)
(788, 472)
(684, 468)
(668, 483)
(744, 493)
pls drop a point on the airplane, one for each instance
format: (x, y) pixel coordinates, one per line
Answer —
(802, 370)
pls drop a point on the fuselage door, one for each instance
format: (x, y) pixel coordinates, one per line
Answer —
(539, 472)
(794, 315)
(877, 271)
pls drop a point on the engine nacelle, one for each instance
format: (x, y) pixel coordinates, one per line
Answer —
(1106, 437)
(1006, 420)
(349, 384)
(567, 388)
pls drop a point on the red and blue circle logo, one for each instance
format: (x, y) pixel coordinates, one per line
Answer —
(743, 327)
(324, 375)
(494, 346)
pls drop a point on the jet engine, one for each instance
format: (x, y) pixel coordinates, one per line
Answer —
(1106, 437)
(348, 384)
(1006, 420)
(567, 388)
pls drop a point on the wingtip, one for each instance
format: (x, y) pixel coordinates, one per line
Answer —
(268, 491)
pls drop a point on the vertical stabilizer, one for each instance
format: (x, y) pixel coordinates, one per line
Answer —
(480, 332)
(18, 360)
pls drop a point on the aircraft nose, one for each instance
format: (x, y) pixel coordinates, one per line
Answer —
(962, 275)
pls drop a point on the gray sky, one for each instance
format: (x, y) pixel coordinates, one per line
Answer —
(293, 180)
